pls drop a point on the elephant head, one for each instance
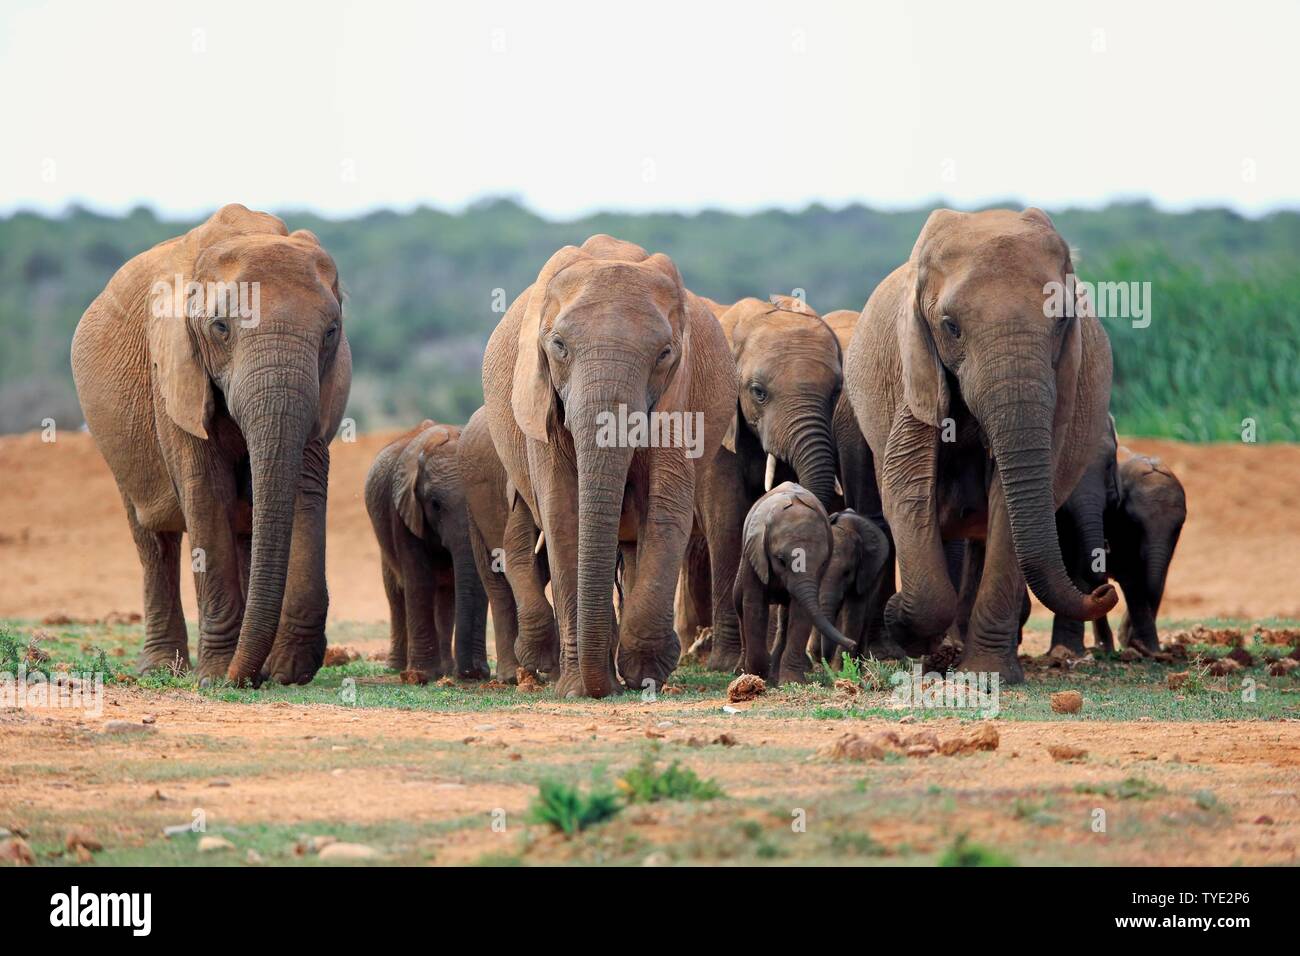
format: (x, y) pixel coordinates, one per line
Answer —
(279, 370)
(791, 371)
(1153, 507)
(604, 335)
(787, 542)
(858, 555)
(429, 496)
(994, 320)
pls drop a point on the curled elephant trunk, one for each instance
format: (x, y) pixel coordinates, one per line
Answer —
(602, 476)
(805, 593)
(1020, 431)
(275, 423)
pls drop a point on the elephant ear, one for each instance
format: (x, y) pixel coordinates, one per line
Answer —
(755, 546)
(531, 396)
(1069, 359)
(177, 368)
(925, 383)
(335, 385)
(676, 393)
(406, 480)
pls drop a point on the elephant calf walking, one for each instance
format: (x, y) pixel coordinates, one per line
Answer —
(416, 503)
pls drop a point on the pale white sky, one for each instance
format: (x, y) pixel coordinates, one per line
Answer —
(342, 106)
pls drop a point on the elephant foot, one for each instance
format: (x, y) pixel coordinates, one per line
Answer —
(168, 658)
(724, 656)
(985, 661)
(792, 675)
(396, 662)
(647, 665)
(294, 661)
(570, 684)
(478, 670)
(885, 648)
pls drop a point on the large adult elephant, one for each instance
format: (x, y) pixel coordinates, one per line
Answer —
(789, 372)
(980, 383)
(216, 420)
(606, 335)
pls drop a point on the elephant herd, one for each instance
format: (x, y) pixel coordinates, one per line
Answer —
(649, 466)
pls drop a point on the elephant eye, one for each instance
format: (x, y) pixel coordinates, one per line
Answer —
(666, 354)
(559, 348)
(220, 327)
(759, 392)
(1061, 323)
(332, 331)
(951, 327)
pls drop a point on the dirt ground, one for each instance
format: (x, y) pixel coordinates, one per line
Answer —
(65, 547)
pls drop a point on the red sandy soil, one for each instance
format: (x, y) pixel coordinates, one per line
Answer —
(65, 547)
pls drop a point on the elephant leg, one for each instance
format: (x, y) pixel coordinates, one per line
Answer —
(207, 500)
(972, 572)
(444, 621)
(991, 638)
(693, 606)
(555, 487)
(721, 508)
(537, 645)
(750, 602)
(501, 601)
(396, 620)
(299, 648)
(790, 659)
(648, 647)
(419, 585)
(166, 643)
(1101, 635)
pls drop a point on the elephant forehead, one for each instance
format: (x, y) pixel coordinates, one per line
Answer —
(277, 260)
(599, 289)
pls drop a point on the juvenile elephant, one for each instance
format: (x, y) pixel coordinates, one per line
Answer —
(788, 365)
(212, 365)
(1081, 527)
(416, 502)
(1143, 531)
(607, 335)
(513, 572)
(851, 584)
(787, 543)
(980, 382)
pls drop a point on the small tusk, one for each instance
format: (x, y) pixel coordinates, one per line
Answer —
(770, 474)
(541, 542)
(839, 489)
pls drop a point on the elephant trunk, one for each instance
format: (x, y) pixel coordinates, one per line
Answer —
(812, 451)
(275, 420)
(602, 476)
(1092, 534)
(1156, 567)
(1020, 430)
(804, 592)
(471, 612)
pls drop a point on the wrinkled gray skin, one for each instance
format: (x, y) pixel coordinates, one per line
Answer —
(787, 544)
(196, 408)
(851, 583)
(416, 503)
(982, 403)
(1143, 532)
(1080, 525)
(513, 570)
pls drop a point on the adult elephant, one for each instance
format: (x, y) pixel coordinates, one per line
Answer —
(981, 385)
(606, 335)
(213, 371)
(789, 371)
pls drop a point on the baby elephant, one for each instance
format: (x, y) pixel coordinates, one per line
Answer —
(417, 505)
(787, 545)
(1142, 532)
(852, 578)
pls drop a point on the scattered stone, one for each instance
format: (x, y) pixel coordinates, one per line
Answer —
(348, 851)
(445, 682)
(83, 838)
(1067, 702)
(1223, 667)
(726, 740)
(1264, 820)
(1065, 753)
(470, 740)
(728, 709)
(746, 687)
(907, 719)
(851, 746)
(148, 719)
(848, 687)
(176, 829)
(664, 724)
(83, 855)
(922, 738)
(483, 728)
(1129, 655)
(253, 858)
(919, 750)
(983, 736)
(657, 858)
(125, 727)
(214, 844)
(338, 656)
(218, 783)
(16, 852)
(654, 734)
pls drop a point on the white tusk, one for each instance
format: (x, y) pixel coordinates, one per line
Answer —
(541, 542)
(839, 489)
(770, 474)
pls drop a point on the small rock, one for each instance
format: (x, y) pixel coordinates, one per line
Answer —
(664, 724)
(919, 750)
(746, 687)
(338, 656)
(907, 719)
(726, 740)
(148, 719)
(1067, 702)
(983, 736)
(1264, 820)
(214, 844)
(83, 855)
(922, 738)
(728, 709)
(1280, 668)
(218, 783)
(848, 687)
(82, 837)
(176, 829)
(253, 858)
(348, 851)
(159, 795)
(482, 728)
(1064, 753)
(851, 746)
(16, 852)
